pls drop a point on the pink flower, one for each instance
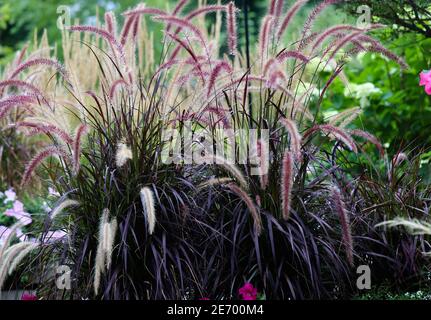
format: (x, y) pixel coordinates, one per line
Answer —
(28, 297)
(10, 196)
(18, 213)
(425, 80)
(204, 298)
(248, 292)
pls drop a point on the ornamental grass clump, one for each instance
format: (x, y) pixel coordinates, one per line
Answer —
(140, 227)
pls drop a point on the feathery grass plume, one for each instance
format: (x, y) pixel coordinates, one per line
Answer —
(81, 130)
(142, 10)
(100, 254)
(231, 27)
(203, 10)
(111, 23)
(289, 16)
(111, 230)
(274, 76)
(214, 182)
(281, 57)
(22, 84)
(413, 226)
(295, 137)
(346, 117)
(377, 47)
(9, 238)
(279, 9)
(147, 200)
(264, 35)
(40, 61)
(262, 150)
(186, 47)
(184, 24)
(335, 30)
(341, 43)
(126, 28)
(180, 5)
(114, 86)
(286, 183)
(19, 257)
(338, 133)
(231, 168)
(271, 9)
(7, 259)
(45, 129)
(219, 67)
(370, 138)
(63, 205)
(340, 209)
(250, 205)
(14, 100)
(108, 37)
(36, 161)
(308, 25)
(399, 158)
(123, 154)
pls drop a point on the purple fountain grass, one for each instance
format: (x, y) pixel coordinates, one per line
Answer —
(206, 9)
(371, 138)
(274, 76)
(126, 29)
(264, 35)
(377, 47)
(80, 132)
(343, 42)
(45, 129)
(179, 7)
(231, 28)
(10, 102)
(139, 11)
(108, 37)
(37, 62)
(286, 183)
(183, 23)
(219, 67)
(111, 23)
(295, 137)
(338, 133)
(185, 46)
(289, 16)
(399, 158)
(24, 85)
(308, 25)
(262, 151)
(37, 160)
(340, 209)
(335, 30)
(283, 56)
(250, 205)
(271, 8)
(114, 86)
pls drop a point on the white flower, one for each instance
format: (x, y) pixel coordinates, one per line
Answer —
(362, 92)
(123, 154)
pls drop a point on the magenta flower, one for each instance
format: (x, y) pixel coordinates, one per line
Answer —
(425, 80)
(18, 213)
(28, 297)
(248, 292)
(204, 298)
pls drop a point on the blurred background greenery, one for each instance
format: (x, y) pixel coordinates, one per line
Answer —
(396, 109)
